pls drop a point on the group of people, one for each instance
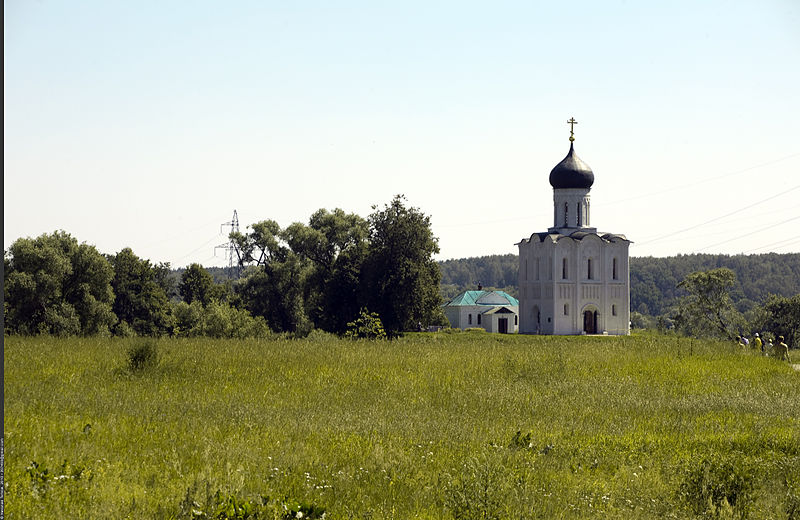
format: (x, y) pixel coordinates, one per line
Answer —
(780, 350)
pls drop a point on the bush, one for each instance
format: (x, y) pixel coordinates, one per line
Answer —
(187, 318)
(321, 335)
(142, 354)
(201, 503)
(367, 326)
(60, 320)
(217, 320)
(123, 330)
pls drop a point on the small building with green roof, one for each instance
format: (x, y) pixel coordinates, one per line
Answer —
(494, 311)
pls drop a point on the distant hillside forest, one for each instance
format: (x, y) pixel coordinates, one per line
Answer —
(654, 281)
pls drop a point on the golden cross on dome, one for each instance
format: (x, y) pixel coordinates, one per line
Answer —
(572, 124)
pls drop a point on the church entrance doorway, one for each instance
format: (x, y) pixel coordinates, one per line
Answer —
(502, 325)
(536, 317)
(590, 322)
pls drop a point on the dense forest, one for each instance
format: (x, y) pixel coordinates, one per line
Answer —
(654, 281)
(495, 271)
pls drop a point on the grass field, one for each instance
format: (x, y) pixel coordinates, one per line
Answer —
(467, 425)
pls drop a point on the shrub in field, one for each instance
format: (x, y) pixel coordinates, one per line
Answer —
(719, 486)
(479, 492)
(223, 506)
(321, 335)
(521, 442)
(367, 326)
(42, 479)
(303, 510)
(142, 354)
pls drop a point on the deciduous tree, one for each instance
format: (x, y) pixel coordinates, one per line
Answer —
(782, 318)
(53, 285)
(707, 310)
(198, 285)
(140, 301)
(400, 276)
(335, 244)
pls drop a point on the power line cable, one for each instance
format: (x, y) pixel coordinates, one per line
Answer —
(791, 243)
(182, 233)
(703, 181)
(780, 243)
(213, 239)
(739, 210)
(629, 199)
(760, 230)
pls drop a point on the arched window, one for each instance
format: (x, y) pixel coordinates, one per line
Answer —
(566, 309)
(580, 214)
(613, 310)
(614, 269)
(516, 320)
(479, 319)
(469, 319)
(564, 272)
(589, 269)
(566, 214)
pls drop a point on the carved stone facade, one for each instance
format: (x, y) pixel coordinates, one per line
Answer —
(572, 279)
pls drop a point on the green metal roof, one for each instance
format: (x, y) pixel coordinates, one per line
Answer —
(472, 297)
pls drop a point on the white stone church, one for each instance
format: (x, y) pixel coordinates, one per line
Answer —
(573, 279)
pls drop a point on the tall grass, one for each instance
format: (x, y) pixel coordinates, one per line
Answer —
(422, 427)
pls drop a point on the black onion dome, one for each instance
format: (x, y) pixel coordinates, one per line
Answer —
(571, 173)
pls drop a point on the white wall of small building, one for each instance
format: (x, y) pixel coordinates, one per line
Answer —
(459, 317)
(492, 321)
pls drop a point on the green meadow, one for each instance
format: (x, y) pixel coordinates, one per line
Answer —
(446, 425)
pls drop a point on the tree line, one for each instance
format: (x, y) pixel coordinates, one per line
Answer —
(326, 274)
(655, 289)
(341, 268)
(493, 271)
(699, 295)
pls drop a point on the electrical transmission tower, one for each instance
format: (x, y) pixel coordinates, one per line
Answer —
(234, 258)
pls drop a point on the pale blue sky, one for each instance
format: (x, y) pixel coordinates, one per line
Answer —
(145, 124)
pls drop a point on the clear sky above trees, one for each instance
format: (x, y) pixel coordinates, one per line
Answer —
(145, 125)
